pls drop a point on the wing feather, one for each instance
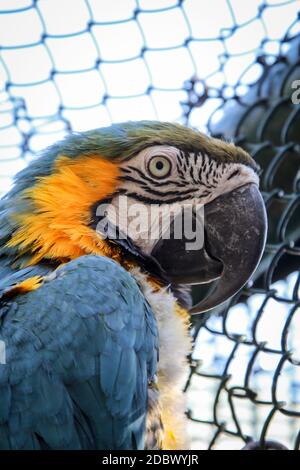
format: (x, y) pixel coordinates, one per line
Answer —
(80, 350)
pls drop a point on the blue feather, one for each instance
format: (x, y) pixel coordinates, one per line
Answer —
(80, 350)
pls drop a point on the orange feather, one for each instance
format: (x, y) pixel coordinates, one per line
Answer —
(58, 227)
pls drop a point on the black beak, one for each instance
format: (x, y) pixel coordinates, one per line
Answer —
(235, 233)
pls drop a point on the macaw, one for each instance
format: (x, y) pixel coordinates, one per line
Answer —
(94, 318)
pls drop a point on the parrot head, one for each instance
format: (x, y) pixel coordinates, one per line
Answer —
(83, 195)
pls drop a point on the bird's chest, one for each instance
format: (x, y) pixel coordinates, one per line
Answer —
(166, 420)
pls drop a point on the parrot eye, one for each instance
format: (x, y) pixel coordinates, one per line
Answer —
(159, 166)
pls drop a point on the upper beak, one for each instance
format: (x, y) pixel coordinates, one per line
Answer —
(235, 227)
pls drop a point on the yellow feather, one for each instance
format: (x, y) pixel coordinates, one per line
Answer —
(27, 285)
(58, 226)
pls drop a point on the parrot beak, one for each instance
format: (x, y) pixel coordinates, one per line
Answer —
(235, 227)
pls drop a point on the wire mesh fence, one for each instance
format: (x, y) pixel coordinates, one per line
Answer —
(222, 66)
(79, 64)
(254, 376)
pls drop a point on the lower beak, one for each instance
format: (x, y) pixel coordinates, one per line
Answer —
(235, 227)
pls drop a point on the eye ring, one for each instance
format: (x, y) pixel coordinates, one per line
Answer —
(159, 167)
